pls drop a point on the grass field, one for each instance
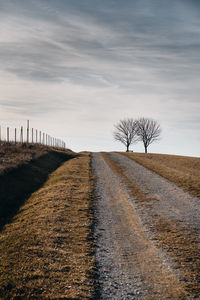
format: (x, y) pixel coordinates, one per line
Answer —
(184, 171)
(46, 250)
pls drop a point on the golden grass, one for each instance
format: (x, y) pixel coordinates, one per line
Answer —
(179, 241)
(184, 171)
(46, 251)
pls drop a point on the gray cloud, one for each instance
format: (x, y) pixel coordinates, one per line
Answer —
(144, 52)
(139, 42)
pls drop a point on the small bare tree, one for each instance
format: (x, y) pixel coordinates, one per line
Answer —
(125, 132)
(148, 131)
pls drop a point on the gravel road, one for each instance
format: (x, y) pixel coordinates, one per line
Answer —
(169, 200)
(130, 264)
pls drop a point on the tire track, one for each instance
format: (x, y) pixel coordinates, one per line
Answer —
(170, 215)
(130, 266)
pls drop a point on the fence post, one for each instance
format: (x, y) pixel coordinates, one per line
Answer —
(0, 134)
(21, 135)
(32, 135)
(15, 136)
(36, 136)
(7, 134)
(27, 131)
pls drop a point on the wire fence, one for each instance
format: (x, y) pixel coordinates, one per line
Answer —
(26, 134)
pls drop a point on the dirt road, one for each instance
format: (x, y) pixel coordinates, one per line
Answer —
(147, 233)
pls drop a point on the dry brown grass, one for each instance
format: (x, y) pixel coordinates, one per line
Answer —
(13, 156)
(184, 171)
(24, 170)
(46, 251)
(179, 241)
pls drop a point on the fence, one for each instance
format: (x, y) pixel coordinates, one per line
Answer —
(29, 135)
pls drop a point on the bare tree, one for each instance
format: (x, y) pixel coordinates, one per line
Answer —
(148, 131)
(125, 132)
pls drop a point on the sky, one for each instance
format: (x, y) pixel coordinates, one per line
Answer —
(74, 68)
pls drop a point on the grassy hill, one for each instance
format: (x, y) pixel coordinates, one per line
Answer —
(46, 213)
(46, 251)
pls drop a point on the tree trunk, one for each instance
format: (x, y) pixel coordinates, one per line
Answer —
(127, 148)
(145, 147)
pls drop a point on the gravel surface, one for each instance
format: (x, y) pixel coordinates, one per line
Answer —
(169, 200)
(129, 264)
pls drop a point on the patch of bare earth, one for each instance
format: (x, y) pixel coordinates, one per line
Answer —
(46, 251)
(169, 215)
(130, 266)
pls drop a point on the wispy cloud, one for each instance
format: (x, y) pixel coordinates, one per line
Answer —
(95, 62)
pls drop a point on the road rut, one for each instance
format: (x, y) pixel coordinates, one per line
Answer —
(130, 264)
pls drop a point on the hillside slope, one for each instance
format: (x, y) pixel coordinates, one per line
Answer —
(46, 251)
(23, 170)
(101, 225)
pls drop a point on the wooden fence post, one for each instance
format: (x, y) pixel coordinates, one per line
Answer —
(15, 136)
(36, 136)
(32, 135)
(21, 135)
(28, 131)
(8, 134)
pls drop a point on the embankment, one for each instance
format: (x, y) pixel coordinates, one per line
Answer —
(46, 252)
(18, 183)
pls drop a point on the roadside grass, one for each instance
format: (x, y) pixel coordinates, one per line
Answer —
(46, 252)
(184, 171)
(179, 241)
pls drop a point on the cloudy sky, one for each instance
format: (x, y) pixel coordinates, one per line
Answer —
(74, 68)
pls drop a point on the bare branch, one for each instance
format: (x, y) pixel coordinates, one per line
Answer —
(148, 131)
(126, 132)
